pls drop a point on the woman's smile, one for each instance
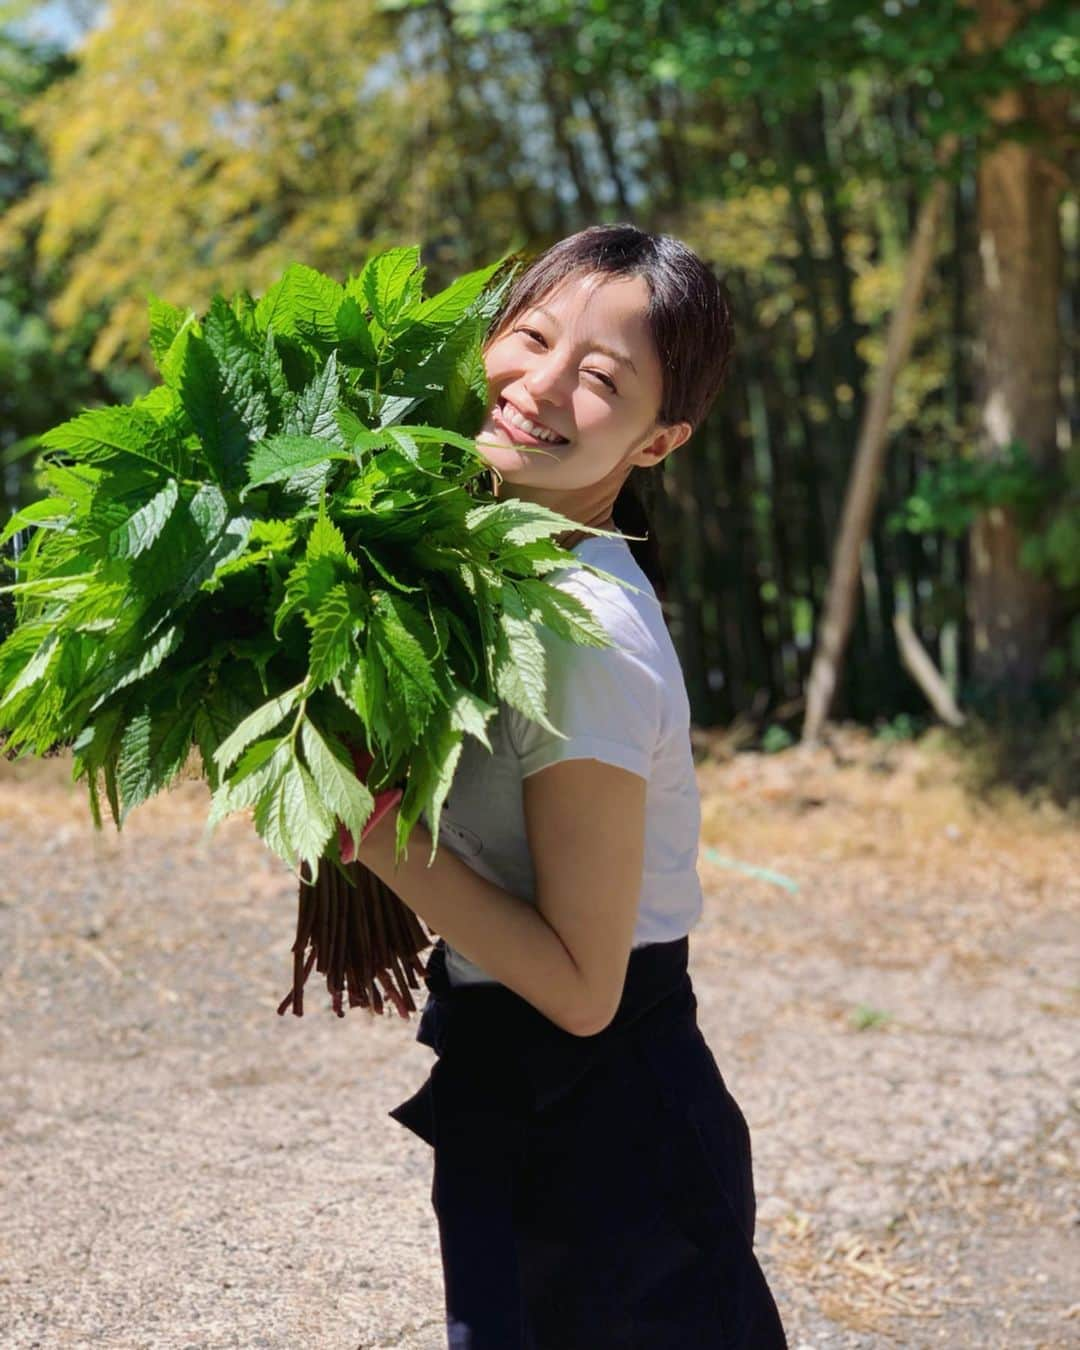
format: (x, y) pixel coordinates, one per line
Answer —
(510, 418)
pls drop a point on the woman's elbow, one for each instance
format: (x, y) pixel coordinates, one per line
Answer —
(591, 1020)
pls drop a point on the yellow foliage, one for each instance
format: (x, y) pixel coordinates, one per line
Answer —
(202, 147)
(750, 233)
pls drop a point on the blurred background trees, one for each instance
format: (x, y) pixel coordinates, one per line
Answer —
(182, 150)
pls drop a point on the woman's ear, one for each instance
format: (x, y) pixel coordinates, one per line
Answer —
(662, 444)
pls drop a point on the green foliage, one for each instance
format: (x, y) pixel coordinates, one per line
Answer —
(902, 727)
(264, 557)
(776, 738)
(784, 52)
(949, 495)
(863, 1017)
(1046, 506)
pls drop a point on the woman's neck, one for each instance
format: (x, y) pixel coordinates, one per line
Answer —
(597, 513)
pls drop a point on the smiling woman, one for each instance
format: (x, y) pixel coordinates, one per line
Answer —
(592, 1174)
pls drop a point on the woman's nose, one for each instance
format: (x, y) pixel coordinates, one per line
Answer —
(548, 379)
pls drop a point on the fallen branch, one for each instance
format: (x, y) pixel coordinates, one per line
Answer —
(922, 670)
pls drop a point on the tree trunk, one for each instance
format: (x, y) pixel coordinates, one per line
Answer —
(862, 489)
(1009, 608)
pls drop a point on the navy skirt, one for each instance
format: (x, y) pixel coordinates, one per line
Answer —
(592, 1193)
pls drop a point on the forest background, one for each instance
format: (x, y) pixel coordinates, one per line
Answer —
(796, 144)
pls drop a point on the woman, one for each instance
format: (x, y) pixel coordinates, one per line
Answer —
(592, 1176)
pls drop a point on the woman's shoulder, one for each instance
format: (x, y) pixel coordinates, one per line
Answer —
(630, 613)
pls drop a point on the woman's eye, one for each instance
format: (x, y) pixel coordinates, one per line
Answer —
(610, 383)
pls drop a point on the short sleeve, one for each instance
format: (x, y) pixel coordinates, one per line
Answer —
(607, 702)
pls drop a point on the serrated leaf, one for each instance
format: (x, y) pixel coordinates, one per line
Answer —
(303, 302)
(292, 818)
(240, 363)
(35, 669)
(389, 283)
(220, 406)
(262, 720)
(561, 611)
(334, 773)
(45, 512)
(279, 457)
(521, 669)
(111, 434)
(257, 771)
(325, 539)
(305, 588)
(273, 372)
(331, 637)
(453, 303)
(142, 665)
(404, 645)
(354, 334)
(314, 413)
(165, 322)
(140, 530)
(133, 764)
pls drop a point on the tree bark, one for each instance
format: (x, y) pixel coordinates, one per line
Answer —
(1010, 610)
(862, 489)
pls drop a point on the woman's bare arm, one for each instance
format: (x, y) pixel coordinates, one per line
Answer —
(567, 954)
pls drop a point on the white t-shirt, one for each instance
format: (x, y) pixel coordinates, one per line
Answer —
(626, 707)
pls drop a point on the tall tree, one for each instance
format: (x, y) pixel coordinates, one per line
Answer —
(1020, 182)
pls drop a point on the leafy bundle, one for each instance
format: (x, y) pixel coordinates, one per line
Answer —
(283, 553)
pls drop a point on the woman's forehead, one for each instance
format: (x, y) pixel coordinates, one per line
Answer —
(597, 294)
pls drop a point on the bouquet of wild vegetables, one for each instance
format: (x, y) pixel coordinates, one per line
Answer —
(282, 555)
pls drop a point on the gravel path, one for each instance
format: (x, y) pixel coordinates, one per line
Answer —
(184, 1169)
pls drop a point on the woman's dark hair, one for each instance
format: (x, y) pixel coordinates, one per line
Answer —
(690, 319)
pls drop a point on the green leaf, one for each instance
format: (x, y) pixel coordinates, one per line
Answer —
(325, 540)
(187, 550)
(521, 665)
(45, 511)
(273, 372)
(354, 334)
(133, 767)
(104, 435)
(165, 322)
(404, 646)
(215, 720)
(279, 457)
(257, 772)
(314, 413)
(453, 303)
(35, 669)
(262, 720)
(304, 303)
(335, 777)
(224, 409)
(560, 610)
(147, 661)
(140, 530)
(292, 819)
(390, 283)
(331, 637)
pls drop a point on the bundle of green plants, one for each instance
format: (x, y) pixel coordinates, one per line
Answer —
(288, 558)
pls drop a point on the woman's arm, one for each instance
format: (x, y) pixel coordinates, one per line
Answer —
(568, 954)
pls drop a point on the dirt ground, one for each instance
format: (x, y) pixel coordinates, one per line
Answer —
(892, 999)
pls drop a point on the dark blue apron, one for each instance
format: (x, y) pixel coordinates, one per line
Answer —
(592, 1192)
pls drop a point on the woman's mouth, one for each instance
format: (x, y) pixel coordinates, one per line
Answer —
(518, 434)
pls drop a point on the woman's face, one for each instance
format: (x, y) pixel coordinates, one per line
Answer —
(581, 363)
